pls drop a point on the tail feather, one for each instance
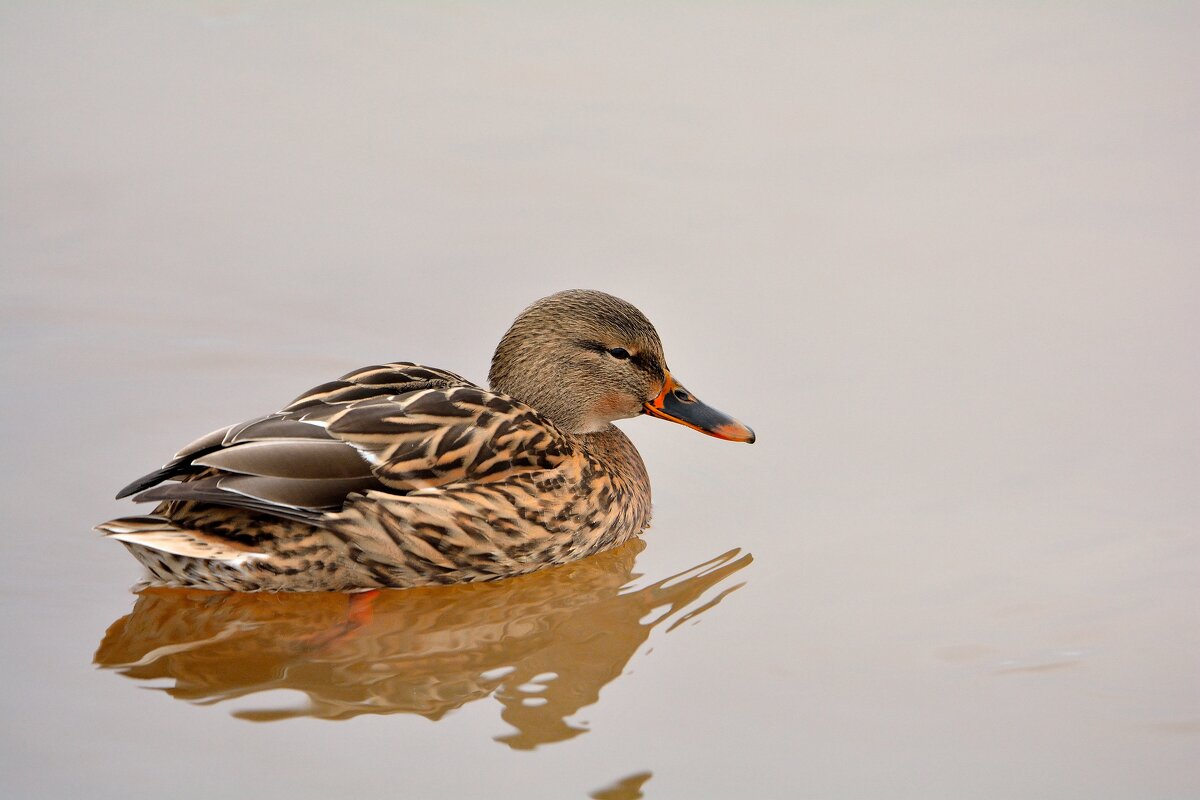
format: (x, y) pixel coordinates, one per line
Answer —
(157, 533)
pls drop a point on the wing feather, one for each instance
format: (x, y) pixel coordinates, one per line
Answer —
(289, 458)
(440, 436)
(393, 427)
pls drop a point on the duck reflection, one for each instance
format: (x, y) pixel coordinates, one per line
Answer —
(543, 645)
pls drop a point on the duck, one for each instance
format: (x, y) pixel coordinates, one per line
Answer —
(400, 475)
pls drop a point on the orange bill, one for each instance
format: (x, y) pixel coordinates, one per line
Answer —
(677, 404)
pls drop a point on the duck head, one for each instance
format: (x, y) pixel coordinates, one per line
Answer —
(585, 358)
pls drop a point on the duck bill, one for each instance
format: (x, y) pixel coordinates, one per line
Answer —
(677, 404)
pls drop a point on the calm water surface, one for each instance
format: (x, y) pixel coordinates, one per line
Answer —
(542, 646)
(942, 260)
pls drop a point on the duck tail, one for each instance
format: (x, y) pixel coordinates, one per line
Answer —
(149, 538)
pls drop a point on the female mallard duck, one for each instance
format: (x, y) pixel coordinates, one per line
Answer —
(401, 475)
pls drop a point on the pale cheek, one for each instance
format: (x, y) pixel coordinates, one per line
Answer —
(615, 406)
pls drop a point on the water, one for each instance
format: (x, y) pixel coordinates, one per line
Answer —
(942, 260)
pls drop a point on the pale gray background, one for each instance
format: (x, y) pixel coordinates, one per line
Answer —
(942, 258)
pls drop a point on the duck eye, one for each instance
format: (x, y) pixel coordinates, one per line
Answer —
(619, 352)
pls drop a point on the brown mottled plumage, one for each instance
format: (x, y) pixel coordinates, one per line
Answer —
(402, 475)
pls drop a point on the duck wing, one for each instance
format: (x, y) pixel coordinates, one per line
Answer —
(395, 427)
(433, 437)
(379, 381)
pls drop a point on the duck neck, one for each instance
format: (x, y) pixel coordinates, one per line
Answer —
(614, 455)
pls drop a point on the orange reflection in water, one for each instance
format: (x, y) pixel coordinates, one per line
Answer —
(543, 645)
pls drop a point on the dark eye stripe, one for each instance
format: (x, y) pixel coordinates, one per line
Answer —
(643, 361)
